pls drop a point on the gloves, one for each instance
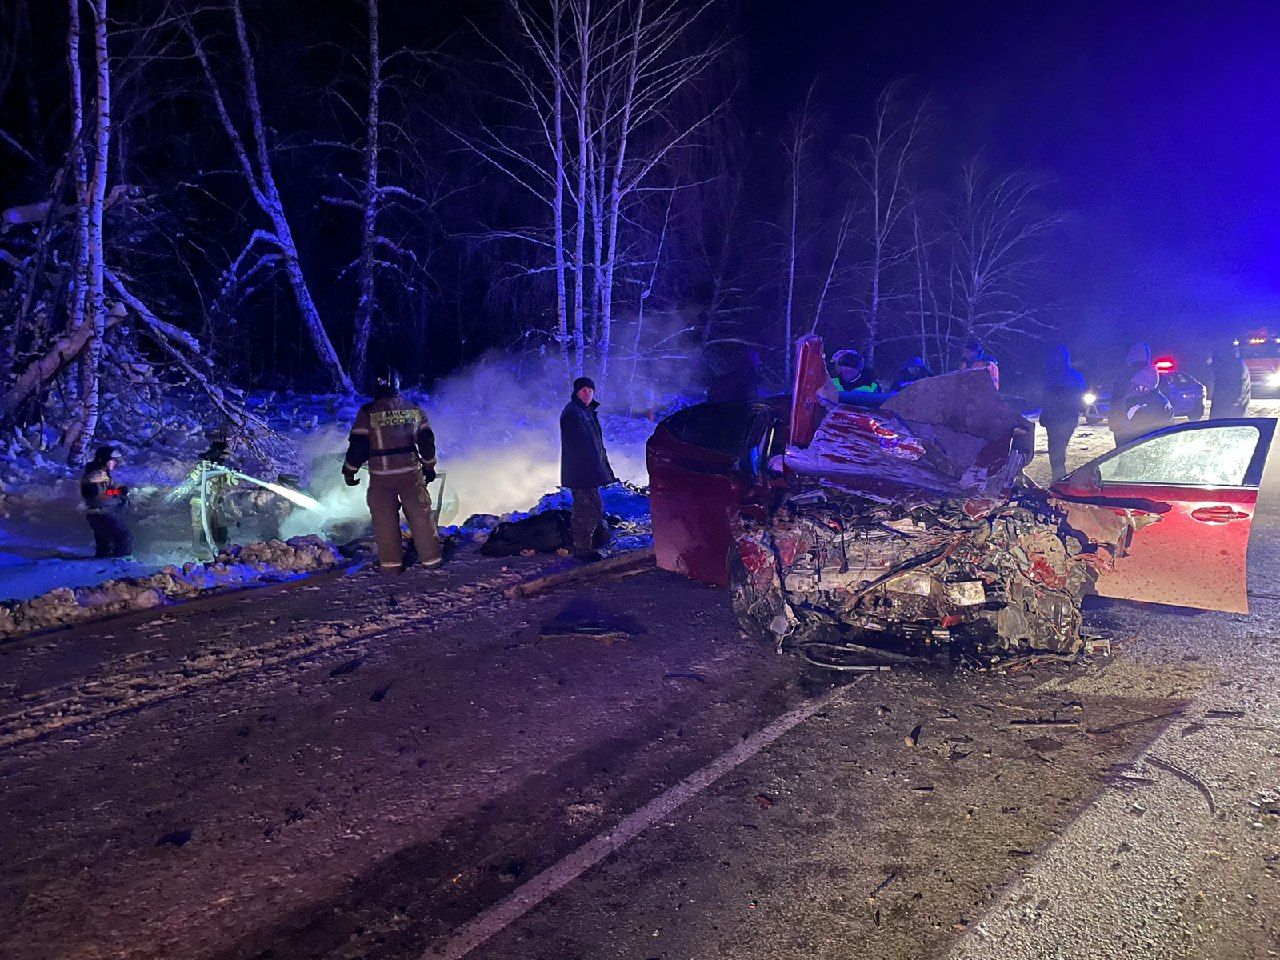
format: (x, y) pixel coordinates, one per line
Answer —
(428, 474)
(350, 479)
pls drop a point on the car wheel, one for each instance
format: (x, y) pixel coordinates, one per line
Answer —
(1196, 413)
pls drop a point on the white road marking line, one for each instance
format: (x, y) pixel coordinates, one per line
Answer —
(485, 925)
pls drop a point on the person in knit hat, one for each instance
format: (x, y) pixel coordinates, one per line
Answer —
(584, 467)
(104, 505)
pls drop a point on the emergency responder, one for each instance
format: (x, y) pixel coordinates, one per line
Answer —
(975, 357)
(212, 482)
(584, 466)
(393, 436)
(1232, 388)
(913, 370)
(1060, 406)
(105, 502)
(851, 375)
(1138, 405)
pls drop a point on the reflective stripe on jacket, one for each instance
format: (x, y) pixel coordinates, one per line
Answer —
(393, 436)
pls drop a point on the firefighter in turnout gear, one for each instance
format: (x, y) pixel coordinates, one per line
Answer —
(392, 435)
(105, 503)
(211, 481)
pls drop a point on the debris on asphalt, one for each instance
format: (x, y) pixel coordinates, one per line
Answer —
(1187, 777)
(912, 524)
(1097, 647)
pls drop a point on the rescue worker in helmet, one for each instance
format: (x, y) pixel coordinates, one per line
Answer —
(852, 375)
(105, 502)
(211, 481)
(393, 436)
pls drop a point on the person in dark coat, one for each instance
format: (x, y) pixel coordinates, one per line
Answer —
(1137, 404)
(104, 505)
(913, 370)
(1232, 390)
(584, 465)
(1060, 407)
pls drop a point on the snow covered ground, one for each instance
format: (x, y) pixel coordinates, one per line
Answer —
(499, 454)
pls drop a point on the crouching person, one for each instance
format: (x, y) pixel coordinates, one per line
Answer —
(584, 466)
(105, 503)
(393, 436)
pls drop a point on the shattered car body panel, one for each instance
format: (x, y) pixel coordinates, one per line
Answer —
(1010, 574)
(909, 520)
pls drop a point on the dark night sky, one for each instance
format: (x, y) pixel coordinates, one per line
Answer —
(1158, 122)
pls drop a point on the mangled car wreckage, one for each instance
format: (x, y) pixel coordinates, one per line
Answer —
(877, 521)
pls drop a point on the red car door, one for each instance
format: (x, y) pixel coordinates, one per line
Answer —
(1193, 489)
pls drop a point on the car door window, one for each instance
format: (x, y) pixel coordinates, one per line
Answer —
(1210, 457)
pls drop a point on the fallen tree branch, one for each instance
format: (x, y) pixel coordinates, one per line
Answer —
(614, 564)
(41, 371)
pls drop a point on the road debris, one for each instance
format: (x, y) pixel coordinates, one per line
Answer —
(1186, 776)
(911, 524)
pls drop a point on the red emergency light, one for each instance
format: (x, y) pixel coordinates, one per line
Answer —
(1165, 364)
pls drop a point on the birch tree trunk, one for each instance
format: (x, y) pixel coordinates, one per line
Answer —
(369, 225)
(562, 305)
(262, 186)
(615, 189)
(795, 157)
(95, 298)
(284, 233)
(648, 292)
(583, 25)
(883, 164)
(80, 176)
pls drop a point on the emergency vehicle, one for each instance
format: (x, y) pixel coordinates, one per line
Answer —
(1260, 350)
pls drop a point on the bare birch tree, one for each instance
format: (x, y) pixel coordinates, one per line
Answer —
(881, 162)
(797, 145)
(997, 230)
(602, 84)
(370, 202)
(253, 156)
(94, 302)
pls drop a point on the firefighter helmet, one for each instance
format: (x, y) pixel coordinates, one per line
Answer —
(387, 384)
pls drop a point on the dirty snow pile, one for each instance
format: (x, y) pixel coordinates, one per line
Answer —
(269, 561)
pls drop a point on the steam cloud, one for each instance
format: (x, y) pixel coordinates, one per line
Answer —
(497, 427)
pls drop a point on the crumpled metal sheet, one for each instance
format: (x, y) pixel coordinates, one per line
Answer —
(951, 435)
(906, 522)
(1008, 574)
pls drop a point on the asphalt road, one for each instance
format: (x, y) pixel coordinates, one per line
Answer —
(430, 769)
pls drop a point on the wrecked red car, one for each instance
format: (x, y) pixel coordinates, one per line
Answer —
(857, 522)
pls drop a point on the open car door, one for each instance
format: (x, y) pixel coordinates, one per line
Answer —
(1192, 489)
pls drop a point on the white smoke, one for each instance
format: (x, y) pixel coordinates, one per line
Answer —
(497, 427)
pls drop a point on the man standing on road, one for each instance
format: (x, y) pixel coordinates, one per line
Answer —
(1232, 389)
(394, 437)
(1060, 407)
(104, 503)
(584, 466)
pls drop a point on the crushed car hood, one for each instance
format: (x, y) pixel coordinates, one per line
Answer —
(951, 435)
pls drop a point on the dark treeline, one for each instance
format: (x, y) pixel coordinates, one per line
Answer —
(289, 194)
